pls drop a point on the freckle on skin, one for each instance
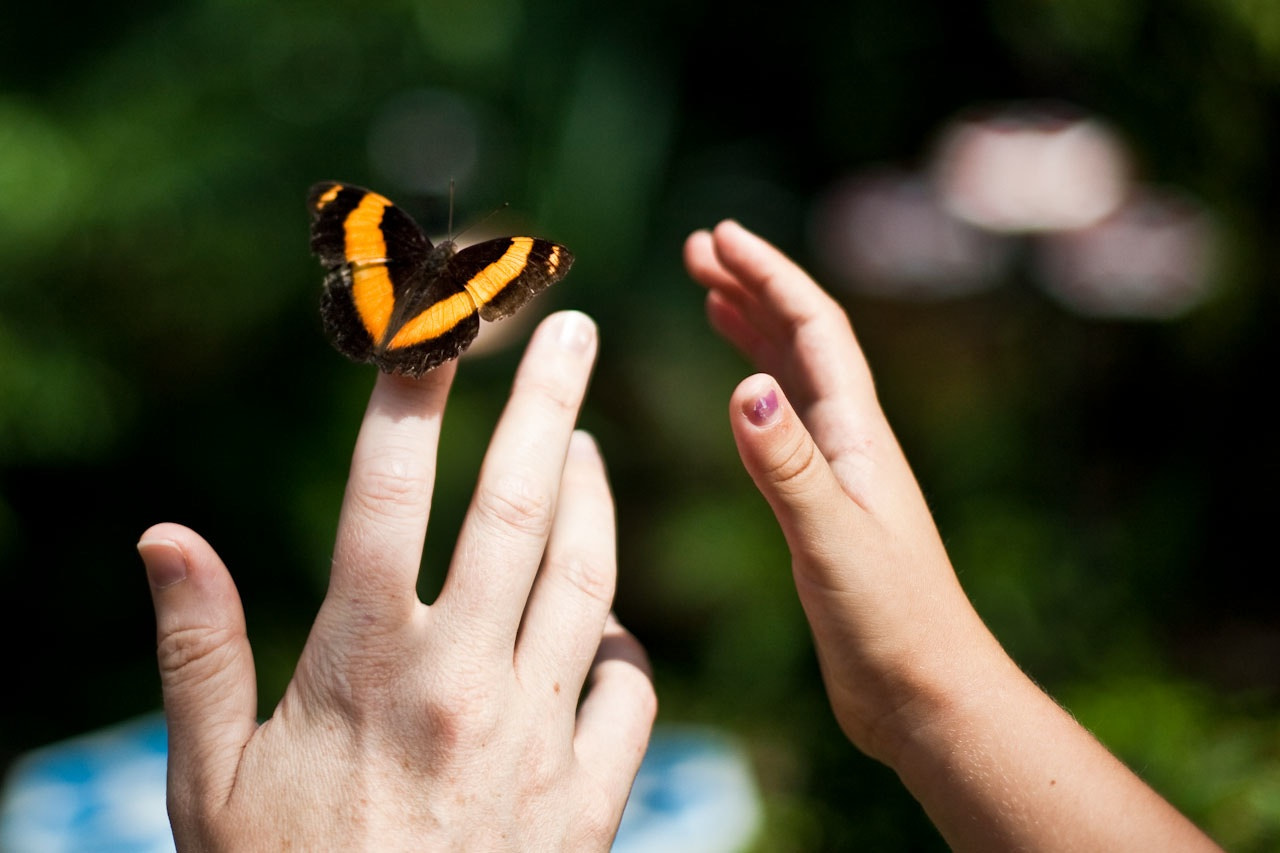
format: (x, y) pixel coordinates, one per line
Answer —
(556, 687)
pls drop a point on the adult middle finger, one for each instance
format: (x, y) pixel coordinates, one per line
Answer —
(506, 527)
(384, 512)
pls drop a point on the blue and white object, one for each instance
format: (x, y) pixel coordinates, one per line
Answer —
(104, 792)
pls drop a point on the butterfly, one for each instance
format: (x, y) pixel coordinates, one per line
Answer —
(392, 298)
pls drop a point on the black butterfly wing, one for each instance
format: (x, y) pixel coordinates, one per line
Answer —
(392, 298)
(502, 275)
(373, 253)
(434, 323)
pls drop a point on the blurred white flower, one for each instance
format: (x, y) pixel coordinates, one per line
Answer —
(1030, 167)
(1152, 258)
(884, 232)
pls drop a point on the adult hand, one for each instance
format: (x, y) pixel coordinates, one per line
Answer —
(510, 714)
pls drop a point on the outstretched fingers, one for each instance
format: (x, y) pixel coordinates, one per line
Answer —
(734, 260)
(574, 589)
(789, 327)
(775, 313)
(505, 532)
(732, 309)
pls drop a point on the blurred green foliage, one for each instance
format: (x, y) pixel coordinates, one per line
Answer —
(1104, 487)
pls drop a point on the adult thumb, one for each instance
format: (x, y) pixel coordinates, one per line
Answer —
(206, 666)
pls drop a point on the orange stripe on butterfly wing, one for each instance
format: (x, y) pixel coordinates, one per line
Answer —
(553, 260)
(491, 280)
(366, 251)
(329, 195)
(437, 320)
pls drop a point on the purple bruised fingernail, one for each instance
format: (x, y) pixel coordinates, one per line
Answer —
(763, 409)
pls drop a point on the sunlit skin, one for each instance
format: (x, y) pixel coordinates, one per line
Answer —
(914, 677)
(407, 726)
(456, 725)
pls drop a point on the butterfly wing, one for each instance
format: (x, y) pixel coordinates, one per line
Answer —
(392, 298)
(373, 253)
(440, 315)
(502, 275)
(433, 323)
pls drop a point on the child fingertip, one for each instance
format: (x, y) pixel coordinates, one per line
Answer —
(761, 403)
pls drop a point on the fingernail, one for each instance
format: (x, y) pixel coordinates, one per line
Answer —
(165, 562)
(576, 331)
(582, 445)
(731, 225)
(762, 410)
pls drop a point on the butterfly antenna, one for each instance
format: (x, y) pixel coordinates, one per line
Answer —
(480, 221)
(451, 235)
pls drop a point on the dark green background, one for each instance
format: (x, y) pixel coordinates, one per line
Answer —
(1106, 488)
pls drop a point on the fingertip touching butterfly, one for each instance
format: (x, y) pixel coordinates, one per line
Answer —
(393, 298)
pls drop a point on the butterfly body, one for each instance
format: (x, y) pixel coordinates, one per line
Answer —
(393, 298)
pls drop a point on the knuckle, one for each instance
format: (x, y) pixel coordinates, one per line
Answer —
(633, 679)
(462, 709)
(391, 486)
(557, 392)
(592, 578)
(515, 504)
(540, 773)
(354, 675)
(194, 816)
(642, 703)
(855, 464)
(194, 653)
(789, 470)
(826, 320)
(450, 726)
(646, 703)
(597, 821)
(834, 311)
